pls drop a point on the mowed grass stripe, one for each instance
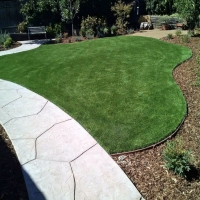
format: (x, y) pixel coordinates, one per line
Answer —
(120, 89)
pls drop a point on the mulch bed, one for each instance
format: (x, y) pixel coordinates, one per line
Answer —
(145, 169)
(14, 45)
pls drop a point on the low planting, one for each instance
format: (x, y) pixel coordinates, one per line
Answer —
(120, 89)
(176, 158)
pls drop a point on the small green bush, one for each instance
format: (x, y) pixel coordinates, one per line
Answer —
(113, 30)
(22, 27)
(53, 31)
(130, 31)
(185, 38)
(3, 37)
(177, 158)
(65, 35)
(88, 26)
(8, 43)
(169, 36)
(58, 38)
(178, 32)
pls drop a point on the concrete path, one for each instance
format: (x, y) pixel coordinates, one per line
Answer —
(156, 33)
(26, 46)
(59, 158)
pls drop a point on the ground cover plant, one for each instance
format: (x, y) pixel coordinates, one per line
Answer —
(120, 89)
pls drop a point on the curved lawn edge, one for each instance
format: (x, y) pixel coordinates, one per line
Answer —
(184, 104)
(171, 134)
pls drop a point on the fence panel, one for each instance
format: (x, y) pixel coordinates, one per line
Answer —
(9, 15)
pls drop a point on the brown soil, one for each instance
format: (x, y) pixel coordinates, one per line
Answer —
(145, 169)
(16, 44)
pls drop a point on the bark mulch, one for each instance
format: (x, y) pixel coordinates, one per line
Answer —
(145, 169)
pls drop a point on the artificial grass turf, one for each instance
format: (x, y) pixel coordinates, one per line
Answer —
(121, 89)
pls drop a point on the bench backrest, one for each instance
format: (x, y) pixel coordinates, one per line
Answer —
(37, 29)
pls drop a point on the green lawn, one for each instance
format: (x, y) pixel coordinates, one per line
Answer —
(120, 89)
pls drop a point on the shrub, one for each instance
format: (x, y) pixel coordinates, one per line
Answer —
(169, 36)
(3, 37)
(130, 31)
(50, 31)
(8, 43)
(122, 12)
(185, 38)
(65, 35)
(22, 27)
(58, 38)
(53, 31)
(178, 32)
(88, 26)
(177, 158)
(113, 29)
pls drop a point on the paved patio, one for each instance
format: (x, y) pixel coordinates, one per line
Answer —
(59, 158)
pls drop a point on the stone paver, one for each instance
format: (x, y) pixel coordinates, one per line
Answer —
(59, 158)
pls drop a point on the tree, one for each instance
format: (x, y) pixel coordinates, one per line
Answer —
(161, 7)
(122, 12)
(190, 11)
(69, 8)
(33, 10)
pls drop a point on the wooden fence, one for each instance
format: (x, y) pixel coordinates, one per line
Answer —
(9, 15)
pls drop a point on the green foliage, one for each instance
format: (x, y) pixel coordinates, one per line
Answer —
(68, 9)
(88, 26)
(49, 11)
(8, 42)
(58, 38)
(188, 10)
(178, 32)
(54, 30)
(177, 158)
(22, 27)
(185, 38)
(122, 12)
(169, 36)
(130, 31)
(3, 37)
(160, 7)
(113, 29)
(65, 35)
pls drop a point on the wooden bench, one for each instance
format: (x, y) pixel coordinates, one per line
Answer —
(36, 30)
